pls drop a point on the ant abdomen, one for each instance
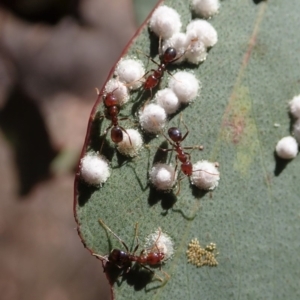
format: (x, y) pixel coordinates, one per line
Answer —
(151, 258)
(155, 258)
(187, 168)
(116, 134)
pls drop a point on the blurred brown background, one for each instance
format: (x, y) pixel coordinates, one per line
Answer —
(53, 53)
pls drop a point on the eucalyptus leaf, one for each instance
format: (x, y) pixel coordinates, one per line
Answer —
(253, 215)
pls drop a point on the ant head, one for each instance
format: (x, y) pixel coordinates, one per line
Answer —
(110, 99)
(169, 55)
(175, 134)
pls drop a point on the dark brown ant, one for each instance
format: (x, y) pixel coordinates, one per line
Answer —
(112, 109)
(124, 259)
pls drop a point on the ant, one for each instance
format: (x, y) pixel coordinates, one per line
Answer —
(123, 259)
(169, 56)
(175, 139)
(112, 109)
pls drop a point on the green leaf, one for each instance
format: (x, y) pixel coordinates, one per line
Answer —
(253, 216)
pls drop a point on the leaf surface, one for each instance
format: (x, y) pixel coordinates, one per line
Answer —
(253, 216)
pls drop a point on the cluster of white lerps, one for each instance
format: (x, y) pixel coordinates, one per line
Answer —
(199, 36)
(205, 176)
(183, 88)
(288, 147)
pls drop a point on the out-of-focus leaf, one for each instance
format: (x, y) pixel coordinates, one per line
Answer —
(142, 9)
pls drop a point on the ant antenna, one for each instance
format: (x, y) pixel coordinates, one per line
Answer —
(117, 237)
(158, 236)
(160, 53)
(100, 257)
(136, 237)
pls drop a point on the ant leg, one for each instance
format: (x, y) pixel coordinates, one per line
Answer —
(149, 99)
(100, 257)
(123, 129)
(179, 186)
(166, 150)
(160, 53)
(136, 237)
(187, 129)
(155, 275)
(186, 134)
(105, 134)
(117, 237)
(155, 244)
(140, 79)
(165, 273)
(176, 166)
(200, 147)
(179, 180)
(149, 57)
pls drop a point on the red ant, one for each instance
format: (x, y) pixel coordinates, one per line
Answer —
(166, 58)
(175, 138)
(124, 259)
(112, 109)
(169, 56)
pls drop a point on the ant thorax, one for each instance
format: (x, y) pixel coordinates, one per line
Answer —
(119, 257)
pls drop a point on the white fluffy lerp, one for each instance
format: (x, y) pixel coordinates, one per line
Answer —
(185, 85)
(165, 21)
(205, 175)
(152, 118)
(196, 51)
(287, 148)
(294, 106)
(94, 169)
(130, 147)
(159, 241)
(119, 90)
(163, 176)
(130, 71)
(205, 8)
(201, 31)
(179, 42)
(168, 100)
(296, 131)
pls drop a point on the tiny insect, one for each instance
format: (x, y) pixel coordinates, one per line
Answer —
(112, 109)
(124, 259)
